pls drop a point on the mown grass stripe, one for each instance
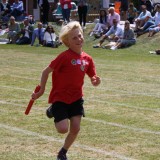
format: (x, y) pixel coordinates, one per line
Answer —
(100, 121)
(49, 138)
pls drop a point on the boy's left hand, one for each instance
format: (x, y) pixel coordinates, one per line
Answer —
(95, 80)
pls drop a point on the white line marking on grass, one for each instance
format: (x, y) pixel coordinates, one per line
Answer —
(100, 121)
(121, 104)
(87, 100)
(122, 126)
(105, 80)
(10, 103)
(130, 93)
(124, 92)
(49, 138)
(23, 89)
(22, 77)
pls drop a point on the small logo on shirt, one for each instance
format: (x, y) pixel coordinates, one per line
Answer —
(82, 67)
(73, 61)
(80, 62)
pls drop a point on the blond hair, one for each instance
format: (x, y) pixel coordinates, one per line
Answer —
(66, 29)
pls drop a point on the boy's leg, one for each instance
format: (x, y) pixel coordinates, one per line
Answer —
(73, 132)
(62, 127)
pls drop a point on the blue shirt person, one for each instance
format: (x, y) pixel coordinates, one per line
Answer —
(17, 8)
(38, 33)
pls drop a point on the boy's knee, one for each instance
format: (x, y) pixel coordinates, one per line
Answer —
(62, 130)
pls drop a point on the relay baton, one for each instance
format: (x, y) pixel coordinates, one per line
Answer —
(31, 101)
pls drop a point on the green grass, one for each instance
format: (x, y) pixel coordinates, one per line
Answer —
(122, 114)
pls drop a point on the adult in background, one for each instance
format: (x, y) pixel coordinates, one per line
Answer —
(44, 10)
(148, 4)
(17, 8)
(14, 30)
(152, 22)
(112, 15)
(82, 12)
(38, 33)
(132, 13)
(156, 17)
(5, 10)
(143, 17)
(128, 38)
(101, 25)
(26, 33)
(153, 31)
(66, 9)
(124, 9)
(114, 33)
(50, 37)
(31, 20)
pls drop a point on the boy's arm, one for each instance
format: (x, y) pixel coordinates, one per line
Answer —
(95, 80)
(43, 82)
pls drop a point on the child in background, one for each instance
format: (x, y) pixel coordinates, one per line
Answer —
(68, 72)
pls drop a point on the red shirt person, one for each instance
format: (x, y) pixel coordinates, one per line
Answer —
(68, 72)
(66, 9)
(68, 76)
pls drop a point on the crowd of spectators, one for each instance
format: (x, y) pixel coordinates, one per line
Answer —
(137, 22)
(7, 10)
(108, 27)
(27, 34)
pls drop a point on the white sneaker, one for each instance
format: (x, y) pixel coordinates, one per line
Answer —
(113, 48)
(152, 52)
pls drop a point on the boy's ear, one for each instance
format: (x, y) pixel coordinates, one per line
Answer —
(66, 42)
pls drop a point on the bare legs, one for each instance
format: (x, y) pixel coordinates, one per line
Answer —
(151, 33)
(74, 127)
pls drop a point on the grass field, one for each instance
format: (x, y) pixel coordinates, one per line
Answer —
(122, 114)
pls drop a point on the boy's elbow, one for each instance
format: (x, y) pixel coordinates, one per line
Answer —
(47, 71)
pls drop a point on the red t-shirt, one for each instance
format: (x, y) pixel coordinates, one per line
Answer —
(69, 69)
(64, 2)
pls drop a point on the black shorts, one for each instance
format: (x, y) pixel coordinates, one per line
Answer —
(61, 110)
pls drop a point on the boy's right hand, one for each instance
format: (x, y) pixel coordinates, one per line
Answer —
(37, 95)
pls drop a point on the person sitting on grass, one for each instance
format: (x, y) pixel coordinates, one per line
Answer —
(142, 18)
(152, 23)
(112, 15)
(132, 13)
(38, 33)
(128, 38)
(14, 31)
(101, 26)
(68, 72)
(26, 33)
(113, 34)
(50, 37)
(32, 20)
(153, 31)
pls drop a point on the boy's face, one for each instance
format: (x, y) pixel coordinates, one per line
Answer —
(75, 40)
